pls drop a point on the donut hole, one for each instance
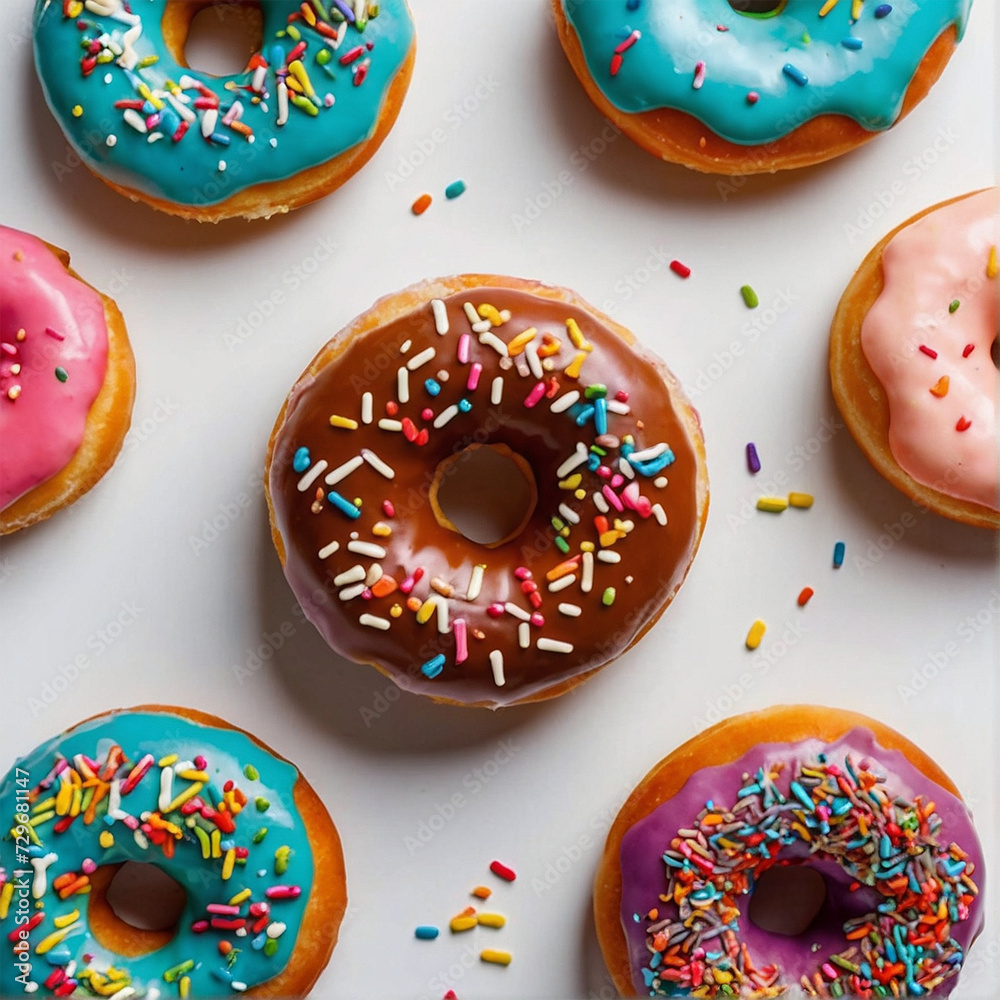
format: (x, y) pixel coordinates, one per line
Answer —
(216, 37)
(787, 899)
(135, 908)
(995, 351)
(758, 8)
(485, 492)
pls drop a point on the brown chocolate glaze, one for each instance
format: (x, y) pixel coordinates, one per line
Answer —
(654, 558)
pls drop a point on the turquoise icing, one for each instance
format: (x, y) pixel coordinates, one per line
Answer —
(227, 753)
(866, 83)
(187, 171)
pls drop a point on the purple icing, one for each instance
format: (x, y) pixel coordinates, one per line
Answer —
(643, 875)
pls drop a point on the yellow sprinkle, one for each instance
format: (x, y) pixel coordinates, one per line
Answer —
(580, 342)
(309, 14)
(106, 839)
(381, 529)
(299, 72)
(189, 793)
(185, 987)
(426, 610)
(608, 538)
(802, 832)
(168, 760)
(75, 9)
(51, 940)
(492, 919)
(587, 546)
(755, 634)
(991, 264)
(229, 864)
(572, 370)
(550, 346)
(804, 500)
(720, 976)
(6, 894)
(46, 804)
(827, 7)
(580, 494)
(66, 919)
(242, 895)
(572, 482)
(77, 110)
(773, 504)
(459, 924)
(856, 7)
(395, 611)
(193, 775)
(521, 341)
(216, 841)
(940, 388)
(346, 422)
(63, 800)
(499, 957)
(491, 313)
(74, 809)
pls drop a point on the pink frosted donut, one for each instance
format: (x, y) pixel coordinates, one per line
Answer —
(67, 381)
(911, 358)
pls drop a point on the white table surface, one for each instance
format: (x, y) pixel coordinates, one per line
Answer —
(120, 576)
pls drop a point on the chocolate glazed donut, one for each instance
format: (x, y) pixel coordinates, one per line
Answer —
(592, 454)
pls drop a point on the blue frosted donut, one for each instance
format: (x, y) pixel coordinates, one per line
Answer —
(307, 111)
(718, 85)
(236, 826)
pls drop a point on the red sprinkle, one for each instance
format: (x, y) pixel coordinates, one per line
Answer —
(963, 424)
(616, 63)
(15, 934)
(969, 348)
(421, 204)
(678, 268)
(929, 351)
(388, 509)
(503, 871)
(804, 594)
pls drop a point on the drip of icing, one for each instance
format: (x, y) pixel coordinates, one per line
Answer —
(229, 756)
(911, 339)
(643, 868)
(54, 343)
(823, 76)
(250, 146)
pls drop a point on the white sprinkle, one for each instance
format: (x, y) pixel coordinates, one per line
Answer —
(181, 108)
(482, 326)
(492, 340)
(562, 583)
(40, 881)
(649, 453)
(625, 468)
(282, 104)
(108, 78)
(587, 579)
(445, 415)
(390, 425)
(133, 118)
(554, 645)
(615, 406)
(237, 985)
(524, 635)
(569, 514)
(534, 362)
(369, 549)
(440, 316)
(403, 385)
(166, 789)
(367, 408)
(275, 929)
(343, 471)
(154, 137)
(235, 113)
(375, 573)
(572, 610)
(273, 143)
(140, 839)
(421, 359)
(660, 481)
(373, 621)
(609, 556)
(600, 503)
(565, 401)
(312, 475)
(377, 464)
(496, 662)
(470, 312)
(513, 609)
(353, 575)
(111, 141)
(496, 390)
(405, 346)
(659, 513)
(577, 458)
(475, 582)
(328, 550)
(209, 119)
(349, 593)
(442, 617)
(222, 166)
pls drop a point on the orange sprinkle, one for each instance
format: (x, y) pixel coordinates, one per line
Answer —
(482, 892)
(225, 947)
(414, 603)
(384, 586)
(940, 387)
(421, 204)
(804, 594)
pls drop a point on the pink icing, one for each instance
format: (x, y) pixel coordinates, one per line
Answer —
(947, 442)
(42, 418)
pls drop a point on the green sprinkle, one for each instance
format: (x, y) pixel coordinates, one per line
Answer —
(454, 189)
(558, 523)
(953, 306)
(270, 947)
(251, 772)
(148, 61)
(749, 297)
(805, 38)
(304, 104)
(323, 56)
(608, 597)
(596, 391)
(206, 845)
(62, 374)
(561, 544)
(174, 973)
(262, 804)
(293, 32)
(281, 856)
(260, 835)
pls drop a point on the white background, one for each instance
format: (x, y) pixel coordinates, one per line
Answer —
(207, 400)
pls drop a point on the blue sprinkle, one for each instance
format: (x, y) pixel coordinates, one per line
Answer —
(345, 9)
(258, 941)
(631, 4)
(794, 73)
(343, 505)
(838, 555)
(430, 670)
(648, 975)
(223, 975)
(464, 405)
(59, 955)
(277, 57)
(432, 386)
(584, 415)
(426, 932)
(883, 9)
(454, 189)
(850, 42)
(802, 795)
(601, 415)
(220, 138)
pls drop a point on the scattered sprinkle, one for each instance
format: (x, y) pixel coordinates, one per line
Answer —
(838, 555)
(454, 189)
(61, 373)
(940, 387)
(495, 957)
(680, 269)
(502, 871)
(929, 351)
(753, 459)
(421, 204)
(795, 74)
(801, 500)
(963, 424)
(774, 505)
(953, 305)
(804, 595)
(749, 297)
(426, 932)
(755, 634)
